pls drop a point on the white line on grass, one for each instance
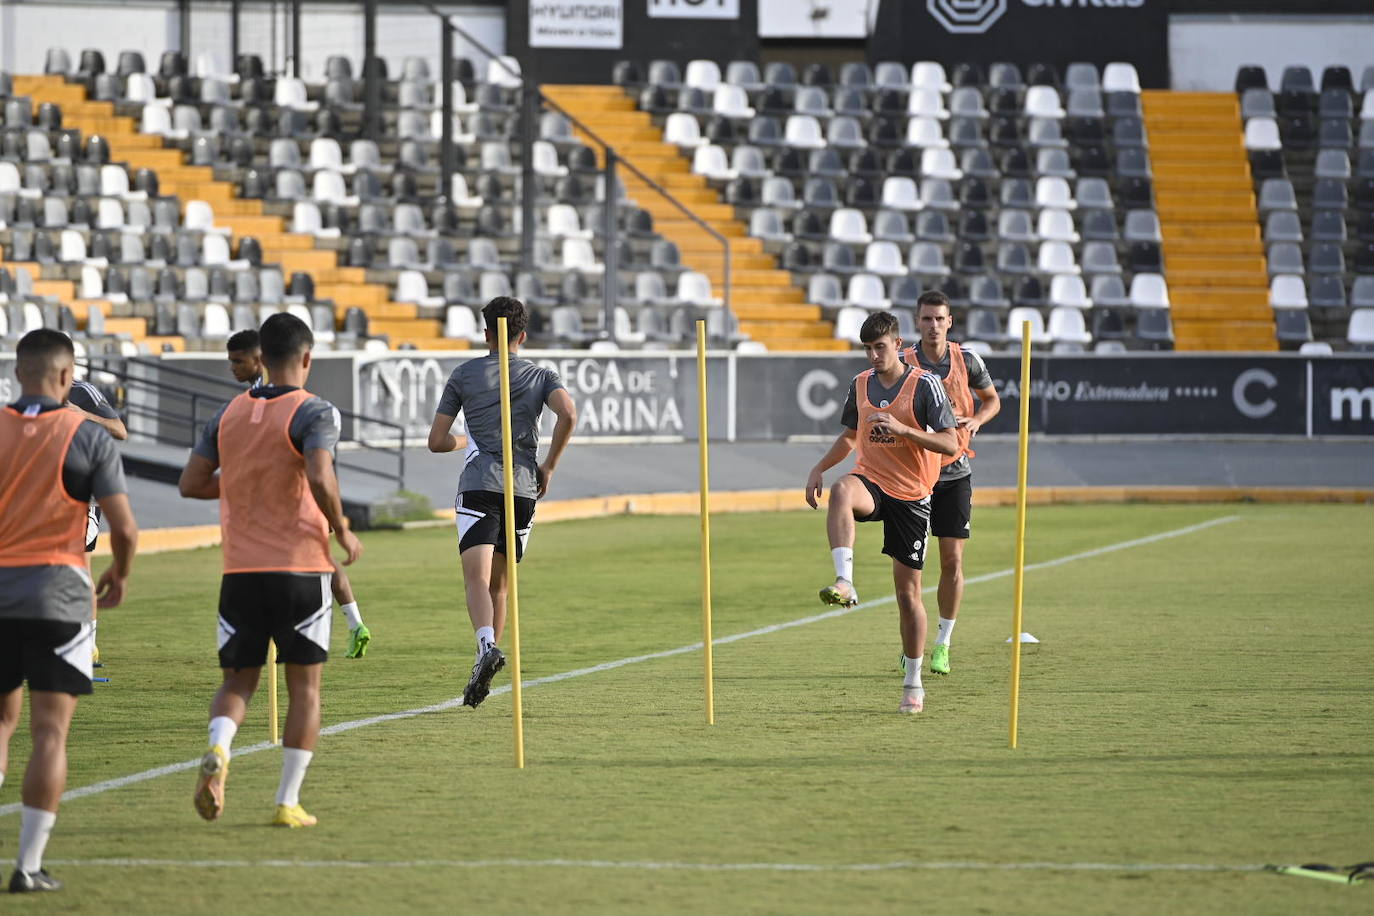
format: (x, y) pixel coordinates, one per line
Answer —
(135, 778)
(660, 866)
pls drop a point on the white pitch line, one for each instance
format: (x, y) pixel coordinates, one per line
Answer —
(604, 864)
(135, 778)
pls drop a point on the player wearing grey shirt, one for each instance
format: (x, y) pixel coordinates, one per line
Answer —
(965, 377)
(479, 509)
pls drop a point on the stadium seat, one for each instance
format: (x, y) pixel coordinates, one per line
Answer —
(1149, 291)
(1360, 330)
(1287, 291)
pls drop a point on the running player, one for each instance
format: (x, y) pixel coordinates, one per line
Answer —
(245, 362)
(475, 389)
(52, 463)
(951, 502)
(86, 400)
(273, 447)
(899, 420)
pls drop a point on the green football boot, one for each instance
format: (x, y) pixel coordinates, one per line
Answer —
(358, 638)
(939, 659)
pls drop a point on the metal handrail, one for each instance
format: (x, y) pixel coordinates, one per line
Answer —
(612, 155)
(232, 389)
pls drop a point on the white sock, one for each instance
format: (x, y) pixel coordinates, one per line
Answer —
(486, 637)
(222, 732)
(350, 612)
(33, 838)
(2, 779)
(913, 672)
(844, 562)
(294, 763)
(946, 630)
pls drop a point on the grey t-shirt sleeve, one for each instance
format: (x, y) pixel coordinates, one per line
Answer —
(316, 425)
(451, 401)
(849, 417)
(552, 382)
(208, 446)
(88, 398)
(978, 374)
(931, 406)
(92, 469)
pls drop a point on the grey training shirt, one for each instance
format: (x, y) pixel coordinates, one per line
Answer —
(978, 377)
(475, 389)
(929, 403)
(92, 470)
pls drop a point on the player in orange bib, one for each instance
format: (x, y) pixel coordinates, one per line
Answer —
(273, 448)
(52, 463)
(899, 420)
(951, 503)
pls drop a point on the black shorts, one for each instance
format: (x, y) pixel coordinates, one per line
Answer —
(951, 507)
(291, 609)
(481, 519)
(49, 655)
(92, 526)
(905, 525)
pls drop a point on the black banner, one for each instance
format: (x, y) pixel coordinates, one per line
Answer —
(1025, 32)
(678, 30)
(1342, 397)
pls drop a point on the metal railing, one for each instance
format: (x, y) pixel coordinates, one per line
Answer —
(532, 97)
(203, 394)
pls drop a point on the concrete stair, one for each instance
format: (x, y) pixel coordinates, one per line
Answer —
(243, 217)
(771, 309)
(1213, 255)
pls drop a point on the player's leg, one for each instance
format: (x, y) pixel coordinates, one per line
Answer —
(11, 689)
(911, 616)
(851, 500)
(92, 536)
(498, 586)
(484, 580)
(299, 736)
(950, 518)
(243, 637)
(50, 718)
(10, 703)
(359, 636)
(301, 628)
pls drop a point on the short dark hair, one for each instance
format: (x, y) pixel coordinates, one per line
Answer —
(877, 325)
(509, 308)
(932, 297)
(42, 349)
(283, 336)
(242, 341)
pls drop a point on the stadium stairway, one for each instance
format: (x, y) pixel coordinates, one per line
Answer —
(769, 307)
(1213, 255)
(344, 286)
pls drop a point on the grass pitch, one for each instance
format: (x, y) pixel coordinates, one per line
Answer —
(1199, 700)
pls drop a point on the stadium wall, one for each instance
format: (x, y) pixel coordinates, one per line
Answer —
(152, 27)
(652, 395)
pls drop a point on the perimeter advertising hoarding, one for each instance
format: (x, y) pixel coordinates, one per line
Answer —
(619, 396)
(566, 42)
(785, 396)
(1342, 397)
(1025, 32)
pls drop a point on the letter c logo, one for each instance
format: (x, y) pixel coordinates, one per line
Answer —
(1255, 410)
(810, 407)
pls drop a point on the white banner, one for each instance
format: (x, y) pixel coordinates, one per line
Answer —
(693, 9)
(577, 23)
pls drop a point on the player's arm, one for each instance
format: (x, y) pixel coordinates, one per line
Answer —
(931, 410)
(839, 449)
(112, 425)
(324, 487)
(119, 514)
(989, 404)
(565, 412)
(441, 437)
(200, 478)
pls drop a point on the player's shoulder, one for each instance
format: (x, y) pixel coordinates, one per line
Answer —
(83, 388)
(931, 383)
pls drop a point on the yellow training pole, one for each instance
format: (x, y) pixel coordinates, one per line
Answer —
(703, 445)
(513, 591)
(272, 689)
(1023, 453)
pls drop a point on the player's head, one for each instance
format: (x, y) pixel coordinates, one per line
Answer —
(882, 340)
(44, 362)
(245, 355)
(933, 317)
(517, 319)
(285, 342)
